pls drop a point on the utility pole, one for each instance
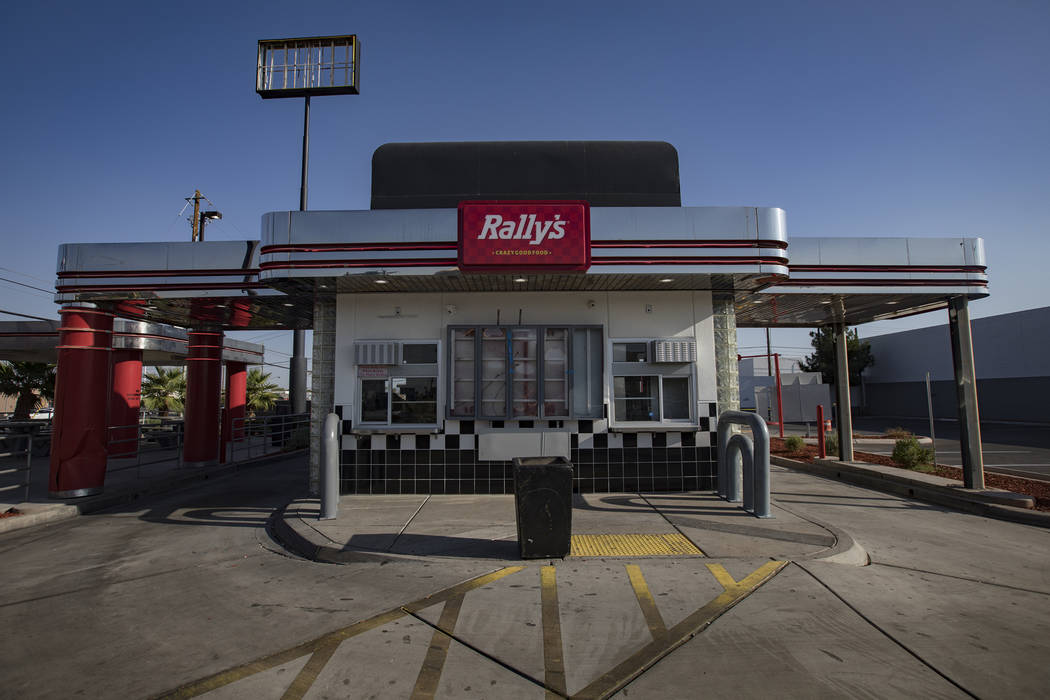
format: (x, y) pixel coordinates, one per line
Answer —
(195, 219)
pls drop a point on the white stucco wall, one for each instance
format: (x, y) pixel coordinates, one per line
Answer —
(427, 317)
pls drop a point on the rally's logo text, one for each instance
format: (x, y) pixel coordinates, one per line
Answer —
(525, 228)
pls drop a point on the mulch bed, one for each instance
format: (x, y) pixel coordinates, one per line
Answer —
(10, 513)
(1039, 490)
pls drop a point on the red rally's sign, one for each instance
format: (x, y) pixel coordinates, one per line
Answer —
(524, 236)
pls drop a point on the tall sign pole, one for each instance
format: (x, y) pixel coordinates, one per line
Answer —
(322, 65)
(297, 362)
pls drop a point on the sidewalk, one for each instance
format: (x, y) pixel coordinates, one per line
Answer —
(603, 524)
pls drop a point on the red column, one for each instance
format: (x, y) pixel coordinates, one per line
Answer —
(78, 438)
(203, 384)
(236, 398)
(124, 402)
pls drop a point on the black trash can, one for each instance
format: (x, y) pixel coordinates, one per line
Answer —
(543, 502)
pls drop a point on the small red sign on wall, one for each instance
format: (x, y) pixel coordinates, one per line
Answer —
(524, 236)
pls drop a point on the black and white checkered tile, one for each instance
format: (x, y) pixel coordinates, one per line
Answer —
(447, 462)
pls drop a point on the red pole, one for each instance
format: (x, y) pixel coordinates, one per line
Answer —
(236, 398)
(124, 403)
(78, 438)
(821, 450)
(203, 385)
(780, 403)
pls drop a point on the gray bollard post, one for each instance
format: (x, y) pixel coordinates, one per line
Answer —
(330, 468)
(739, 455)
(760, 459)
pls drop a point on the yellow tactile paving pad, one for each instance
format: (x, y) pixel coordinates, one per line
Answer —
(661, 545)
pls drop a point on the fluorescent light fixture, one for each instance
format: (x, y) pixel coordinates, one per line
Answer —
(665, 280)
(520, 279)
(380, 281)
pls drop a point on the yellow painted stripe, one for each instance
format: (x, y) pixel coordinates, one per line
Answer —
(308, 675)
(434, 663)
(232, 675)
(652, 615)
(627, 670)
(651, 545)
(553, 657)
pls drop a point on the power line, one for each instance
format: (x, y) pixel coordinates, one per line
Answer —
(23, 284)
(38, 318)
(38, 279)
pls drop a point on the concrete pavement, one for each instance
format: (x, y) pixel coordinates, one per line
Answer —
(187, 596)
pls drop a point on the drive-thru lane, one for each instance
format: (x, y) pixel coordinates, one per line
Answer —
(180, 593)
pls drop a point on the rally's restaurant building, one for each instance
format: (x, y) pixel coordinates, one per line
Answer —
(520, 299)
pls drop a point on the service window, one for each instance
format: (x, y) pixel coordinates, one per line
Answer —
(649, 392)
(402, 395)
(525, 372)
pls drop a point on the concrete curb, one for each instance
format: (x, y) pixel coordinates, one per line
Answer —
(296, 536)
(54, 512)
(875, 441)
(845, 551)
(985, 503)
(290, 528)
(37, 514)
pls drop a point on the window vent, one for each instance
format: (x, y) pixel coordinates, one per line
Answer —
(674, 350)
(375, 353)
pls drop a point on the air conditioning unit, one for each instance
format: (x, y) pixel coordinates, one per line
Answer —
(375, 353)
(674, 350)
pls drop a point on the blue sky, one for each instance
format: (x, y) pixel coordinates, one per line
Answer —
(859, 119)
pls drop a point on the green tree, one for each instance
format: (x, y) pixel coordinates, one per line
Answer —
(822, 360)
(261, 393)
(164, 391)
(28, 382)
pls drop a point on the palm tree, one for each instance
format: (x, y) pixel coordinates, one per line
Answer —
(164, 391)
(261, 393)
(28, 382)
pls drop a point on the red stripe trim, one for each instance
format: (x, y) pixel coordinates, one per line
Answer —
(318, 264)
(444, 262)
(881, 283)
(626, 243)
(688, 261)
(888, 268)
(355, 247)
(149, 287)
(239, 272)
(723, 243)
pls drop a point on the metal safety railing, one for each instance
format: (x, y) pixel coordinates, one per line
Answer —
(18, 442)
(144, 445)
(258, 436)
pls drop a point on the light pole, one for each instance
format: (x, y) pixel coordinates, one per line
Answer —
(322, 65)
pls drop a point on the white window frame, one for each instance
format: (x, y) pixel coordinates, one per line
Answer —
(395, 371)
(650, 369)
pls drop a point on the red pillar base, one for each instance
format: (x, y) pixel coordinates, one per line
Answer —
(236, 398)
(124, 403)
(80, 424)
(203, 385)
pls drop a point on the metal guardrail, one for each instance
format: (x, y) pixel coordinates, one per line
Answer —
(251, 438)
(152, 444)
(19, 440)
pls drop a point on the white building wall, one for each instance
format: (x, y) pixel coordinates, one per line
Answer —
(428, 316)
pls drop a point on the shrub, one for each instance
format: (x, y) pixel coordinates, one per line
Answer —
(898, 433)
(794, 444)
(831, 444)
(909, 453)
